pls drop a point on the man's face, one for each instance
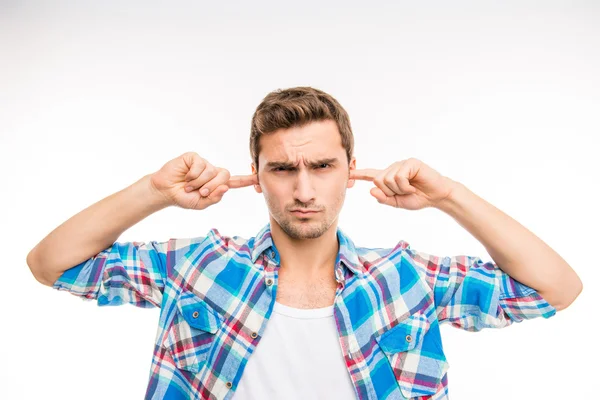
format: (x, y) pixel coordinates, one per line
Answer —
(304, 168)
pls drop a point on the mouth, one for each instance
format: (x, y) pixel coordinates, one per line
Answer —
(304, 213)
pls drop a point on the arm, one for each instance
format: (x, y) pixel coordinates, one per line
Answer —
(515, 250)
(93, 229)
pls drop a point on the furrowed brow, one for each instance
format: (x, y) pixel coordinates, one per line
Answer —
(323, 161)
(288, 164)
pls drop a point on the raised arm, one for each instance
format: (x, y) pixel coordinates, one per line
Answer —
(93, 230)
(97, 227)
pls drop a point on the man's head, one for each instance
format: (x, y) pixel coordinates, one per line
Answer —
(301, 144)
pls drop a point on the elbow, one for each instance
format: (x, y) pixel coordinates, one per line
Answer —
(32, 264)
(568, 294)
(36, 271)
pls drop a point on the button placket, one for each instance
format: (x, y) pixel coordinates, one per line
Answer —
(270, 260)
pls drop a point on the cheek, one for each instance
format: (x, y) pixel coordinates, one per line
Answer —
(274, 192)
(335, 191)
(273, 189)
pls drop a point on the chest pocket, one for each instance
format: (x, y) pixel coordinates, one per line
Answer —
(415, 355)
(192, 332)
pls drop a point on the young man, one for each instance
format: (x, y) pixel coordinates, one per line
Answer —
(298, 311)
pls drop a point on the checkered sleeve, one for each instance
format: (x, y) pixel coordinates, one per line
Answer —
(125, 272)
(471, 294)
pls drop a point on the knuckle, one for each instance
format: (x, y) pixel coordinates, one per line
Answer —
(201, 163)
(201, 176)
(210, 169)
(190, 154)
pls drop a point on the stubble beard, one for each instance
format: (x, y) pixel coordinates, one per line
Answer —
(312, 227)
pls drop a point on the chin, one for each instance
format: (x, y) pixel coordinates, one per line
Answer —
(307, 229)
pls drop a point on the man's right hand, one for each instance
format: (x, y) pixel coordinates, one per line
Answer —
(207, 184)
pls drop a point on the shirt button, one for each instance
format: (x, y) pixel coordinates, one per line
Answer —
(254, 335)
(408, 338)
(195, 314)
(272, 254)
(229, 385)
(269, 282)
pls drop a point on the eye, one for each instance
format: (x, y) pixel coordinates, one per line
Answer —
(320, 166)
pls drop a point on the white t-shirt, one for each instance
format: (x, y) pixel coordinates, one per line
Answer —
(298, 357)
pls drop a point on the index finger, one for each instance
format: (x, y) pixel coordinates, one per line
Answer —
(366, 174)
(238, 181)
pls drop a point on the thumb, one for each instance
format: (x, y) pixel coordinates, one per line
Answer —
(379, 195)
(216, 195)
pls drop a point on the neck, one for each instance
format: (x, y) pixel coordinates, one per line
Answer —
(306, 258)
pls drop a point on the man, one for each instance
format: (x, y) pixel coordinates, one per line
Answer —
(298, 311)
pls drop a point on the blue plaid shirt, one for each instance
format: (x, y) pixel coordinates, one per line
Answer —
(216, 295)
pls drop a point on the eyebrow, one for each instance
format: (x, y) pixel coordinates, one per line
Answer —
(289, 164)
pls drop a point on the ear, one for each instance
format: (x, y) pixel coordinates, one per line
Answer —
(351, 167)
(257, 188)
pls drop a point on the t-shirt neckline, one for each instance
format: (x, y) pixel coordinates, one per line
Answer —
(303, 313)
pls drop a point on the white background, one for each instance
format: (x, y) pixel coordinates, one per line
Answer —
(504, 98)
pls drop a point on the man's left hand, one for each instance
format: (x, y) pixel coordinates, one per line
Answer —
(410, 184)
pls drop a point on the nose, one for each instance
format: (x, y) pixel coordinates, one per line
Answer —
(304, 190)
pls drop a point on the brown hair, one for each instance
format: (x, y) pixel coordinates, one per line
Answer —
(298, 106)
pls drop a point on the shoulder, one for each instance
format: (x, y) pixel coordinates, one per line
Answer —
(373, 255)
(212, 236)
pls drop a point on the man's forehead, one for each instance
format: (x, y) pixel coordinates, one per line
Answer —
(306, 160)
(308, 155)
(310, 144)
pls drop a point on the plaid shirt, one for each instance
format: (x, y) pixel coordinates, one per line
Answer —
(216, 294)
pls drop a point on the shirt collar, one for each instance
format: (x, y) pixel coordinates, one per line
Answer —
(346, 254)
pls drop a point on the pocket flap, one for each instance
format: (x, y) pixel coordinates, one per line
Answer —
(404, 336)
(415, 356)
(198, 313)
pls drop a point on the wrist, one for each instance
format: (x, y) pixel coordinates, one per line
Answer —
(449, 203)
(155, 199)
